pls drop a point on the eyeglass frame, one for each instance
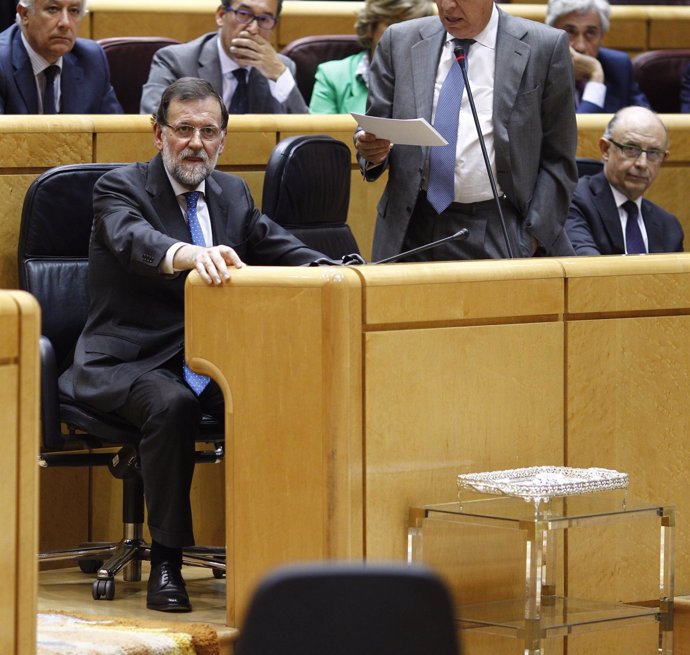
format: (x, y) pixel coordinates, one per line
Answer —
(209, 139)
(626, 148)
(254, 17)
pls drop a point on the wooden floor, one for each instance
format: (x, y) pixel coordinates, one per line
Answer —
(69, 589)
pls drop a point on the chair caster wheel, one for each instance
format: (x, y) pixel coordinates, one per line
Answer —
(90, 565)
(218, 574)
(103, 589)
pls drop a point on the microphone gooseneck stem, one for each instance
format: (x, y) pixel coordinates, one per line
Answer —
(460, 58)
(458, 236)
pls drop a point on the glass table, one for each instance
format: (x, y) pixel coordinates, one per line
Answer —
(541, 614)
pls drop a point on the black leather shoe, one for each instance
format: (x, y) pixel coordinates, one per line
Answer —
(166, 592)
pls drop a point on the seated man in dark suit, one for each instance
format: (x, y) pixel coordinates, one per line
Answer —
(238, 60)
(608, 214)
(604, 78)
(46, 69)
(153, 223)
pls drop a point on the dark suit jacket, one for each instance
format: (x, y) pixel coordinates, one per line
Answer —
(136, 314)
(621, 88)
(535, 132)
(594, 226)
(199, 58)
(84, 82)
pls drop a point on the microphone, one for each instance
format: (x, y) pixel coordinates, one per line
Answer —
(460, 235)
(459, 53)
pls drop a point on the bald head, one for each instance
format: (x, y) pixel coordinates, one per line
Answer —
(633, 147)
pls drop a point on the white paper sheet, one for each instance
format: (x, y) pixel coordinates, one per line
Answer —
(408, 131)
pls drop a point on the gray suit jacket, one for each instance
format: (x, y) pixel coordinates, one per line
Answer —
(199, 58)
(535, 130)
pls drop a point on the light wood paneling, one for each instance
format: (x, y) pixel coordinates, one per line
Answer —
(633, 28)
(19, 424)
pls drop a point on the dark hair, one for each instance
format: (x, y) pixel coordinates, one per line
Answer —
(188, 88)
(279, 8)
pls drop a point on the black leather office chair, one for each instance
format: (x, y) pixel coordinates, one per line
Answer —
(310, 51)
(129, 60)
(659, 74)
(588, 166)
(53, 266)
(350, 609)
(307, 191)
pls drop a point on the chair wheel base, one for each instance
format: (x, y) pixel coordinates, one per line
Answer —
(103, 589)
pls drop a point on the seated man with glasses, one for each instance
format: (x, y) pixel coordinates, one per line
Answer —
(154, 222)
(238, 60)
(604, 79)
(608, 214)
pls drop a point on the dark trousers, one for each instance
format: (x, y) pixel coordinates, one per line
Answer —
(168, 413)
(485, 241)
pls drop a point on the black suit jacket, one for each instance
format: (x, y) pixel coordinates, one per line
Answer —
(84, 82)
(136, 314)
(594, 226)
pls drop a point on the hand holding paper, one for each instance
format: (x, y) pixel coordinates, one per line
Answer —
(410, 131)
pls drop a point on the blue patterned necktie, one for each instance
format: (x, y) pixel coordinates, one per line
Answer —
(49, 105)
(441, 187)
(634, 243)
(196, 382)
(239, 103)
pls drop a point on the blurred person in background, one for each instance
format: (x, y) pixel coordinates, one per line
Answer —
(604, 79)
(342, 86)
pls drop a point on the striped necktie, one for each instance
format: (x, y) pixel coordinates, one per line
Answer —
(196, 382)
(634, 243)
(441, 186)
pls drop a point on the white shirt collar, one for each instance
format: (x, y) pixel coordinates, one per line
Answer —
(178, 189)
(227, 63)
(487, 37)
(621, 198)
(38, 63)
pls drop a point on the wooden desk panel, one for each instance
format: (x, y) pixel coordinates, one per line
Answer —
(19, 424)
(633, 28)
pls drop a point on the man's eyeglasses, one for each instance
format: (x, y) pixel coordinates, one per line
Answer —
(185, 132)
(633, 152)
(244, 17)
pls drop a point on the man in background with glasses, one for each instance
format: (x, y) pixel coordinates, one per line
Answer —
(604, 79)
(608, 214)
(238, 60)
(154, 222)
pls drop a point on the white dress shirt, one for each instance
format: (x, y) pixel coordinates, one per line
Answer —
(471, 179)
(280, 89)
(202, 214)
(39, 64)
(623, 216)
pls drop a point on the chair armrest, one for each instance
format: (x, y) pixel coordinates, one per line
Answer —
(50, 405)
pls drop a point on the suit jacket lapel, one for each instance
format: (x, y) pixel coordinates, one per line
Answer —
(24, 74)
(607, 209)
(164, 201)
(425, 57)
(209, 64)
(217, 209)
(655, 230)
(512, 56)
(70, 85)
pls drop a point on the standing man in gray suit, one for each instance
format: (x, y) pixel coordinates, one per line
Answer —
(522, 82)
(238, 60)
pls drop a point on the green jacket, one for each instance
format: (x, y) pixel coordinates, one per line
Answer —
(337, 90)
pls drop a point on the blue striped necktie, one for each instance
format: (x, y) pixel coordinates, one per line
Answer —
(440, 190)
(634, 243)
(196, 382)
